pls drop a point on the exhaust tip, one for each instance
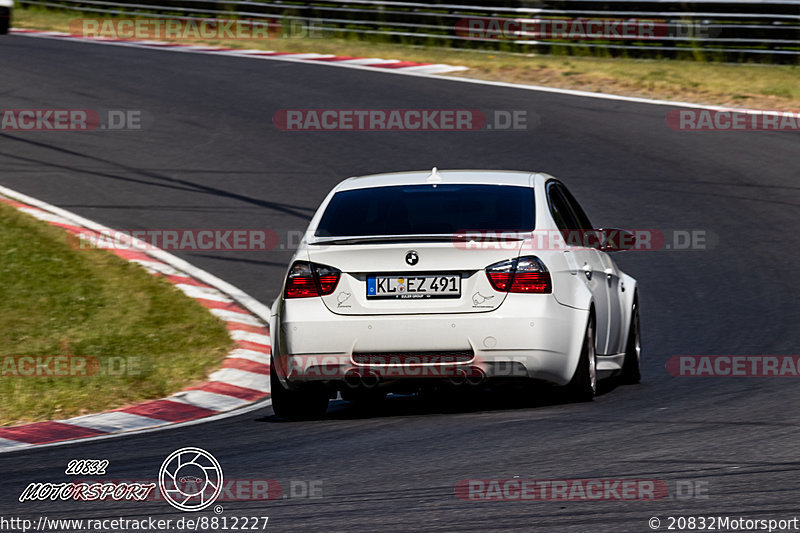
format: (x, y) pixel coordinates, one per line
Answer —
(352, 379)
(459, 378)
(370, 380)
(476, 376)
(355, 379)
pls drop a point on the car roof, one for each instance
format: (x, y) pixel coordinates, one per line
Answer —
(486, 177)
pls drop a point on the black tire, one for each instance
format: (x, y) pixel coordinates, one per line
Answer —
(583, 385)
(307, 403)
(631, 367)
(5, 21)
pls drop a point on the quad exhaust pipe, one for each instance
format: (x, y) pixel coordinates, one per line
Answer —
(355, 379)
(368, 379)
(474, 377)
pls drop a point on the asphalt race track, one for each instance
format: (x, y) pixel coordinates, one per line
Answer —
(212, 158)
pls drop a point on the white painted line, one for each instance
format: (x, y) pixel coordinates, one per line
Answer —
(251, 355)
(187, 48)
(23, 31)
(7, 445)
(364, 61)
(233, 316)
(257, 51)
(240, 335)
(435, 69)
(204, 293)
(208, 400)
(224, 52)
(307, 56)
(114, 421)
(159, 268)
(241, 378)
(45, 216)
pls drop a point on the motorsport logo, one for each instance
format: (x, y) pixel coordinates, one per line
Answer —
(182, 469)
(193, 466)
(88, 491)
(190, 479)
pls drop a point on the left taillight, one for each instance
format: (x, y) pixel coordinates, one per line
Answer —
(311, 279)
(522, 275)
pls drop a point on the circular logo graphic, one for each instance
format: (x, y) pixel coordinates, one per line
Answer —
(190, 479)
(412, 258)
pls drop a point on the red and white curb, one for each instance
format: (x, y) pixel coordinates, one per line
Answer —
(330, 59)
(242, 381)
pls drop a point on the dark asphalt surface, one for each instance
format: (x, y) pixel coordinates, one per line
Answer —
(212, 158)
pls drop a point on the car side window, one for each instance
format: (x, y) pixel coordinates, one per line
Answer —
(578, 212)
(559, 208)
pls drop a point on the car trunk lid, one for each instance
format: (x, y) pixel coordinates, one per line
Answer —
(416, 271)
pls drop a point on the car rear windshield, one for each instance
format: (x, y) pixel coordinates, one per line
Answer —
(427, 209)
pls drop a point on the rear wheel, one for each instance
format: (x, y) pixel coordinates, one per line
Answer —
(583, 385)
(306, 403)
(631, 367)
(5, 21)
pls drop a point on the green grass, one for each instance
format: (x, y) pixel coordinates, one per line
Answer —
(740, 85)
(59, 299)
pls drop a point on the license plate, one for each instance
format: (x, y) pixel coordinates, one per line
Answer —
(414, 287)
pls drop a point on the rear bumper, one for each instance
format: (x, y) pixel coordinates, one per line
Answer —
(530, 336)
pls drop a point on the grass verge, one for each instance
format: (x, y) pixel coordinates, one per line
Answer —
(741, 85)
(140, 336)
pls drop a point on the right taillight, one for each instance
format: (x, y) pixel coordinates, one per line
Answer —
(523, 275)
(310, 279)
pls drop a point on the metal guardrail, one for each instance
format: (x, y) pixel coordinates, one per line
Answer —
(723, 29)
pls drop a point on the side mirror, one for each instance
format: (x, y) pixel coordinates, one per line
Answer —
(616, 240)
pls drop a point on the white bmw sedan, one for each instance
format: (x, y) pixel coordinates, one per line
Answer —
(453, 278)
